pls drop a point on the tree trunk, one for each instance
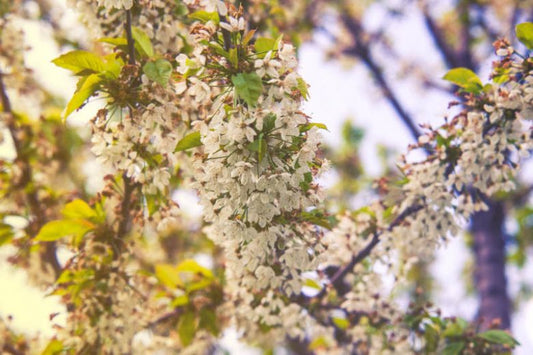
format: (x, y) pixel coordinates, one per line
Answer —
(489, 272)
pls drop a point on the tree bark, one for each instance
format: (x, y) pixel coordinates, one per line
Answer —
(489, 272)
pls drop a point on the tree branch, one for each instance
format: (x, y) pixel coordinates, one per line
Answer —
(341, 273)
(361, 49)
(129, 185)
(446, 51)
(129, 37)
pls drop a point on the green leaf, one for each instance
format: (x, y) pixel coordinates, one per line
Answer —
(117, 42)
(143, 45)
(263, 45)
(269, 122)
(431, 335)
(341, 323)
(259, 145)
(80, 62)
(180, 301)
(454, 348)
(113, 66)
(168, 275)
(54, 347)
(56, 230)
(78, 209)
(6, 233)
(158, 71)
(192, 266)
(455, 328)
(187, 327)
(233, 57)
(464, 78)
(524, 33)
(302, 87)
(208, 321)
(313, 284)
(306, 127)
(189, 141)
(498, 337)
(198, 285)
(205, 16)
(248, 87)
(318, 343)
(87, 86)
(318, 218)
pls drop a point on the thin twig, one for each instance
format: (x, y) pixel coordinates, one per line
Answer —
(362, 50)
(129, 185)
(437, 34)
(129, 37)
(226, 35)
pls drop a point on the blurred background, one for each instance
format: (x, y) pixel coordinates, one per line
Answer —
(374, 70)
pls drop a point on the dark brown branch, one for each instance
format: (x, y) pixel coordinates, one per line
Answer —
(465, 57)
(342, 272)
(226, 35)
(125, 206)
(129, 185)
(129, 37)
(436, 33)
(361, 50)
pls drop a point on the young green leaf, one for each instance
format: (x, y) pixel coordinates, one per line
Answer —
(189, 141)
(143, 45)
(78, 209)
(168, 275)
(498, 337)
(158, 71)
(313, 284)
(6, 233)
(179, 301)
(187, 327)
(117, 42)
(248, 87)
(464, 78)
(80, 62)
(302, 88)
(87, 86)
(454, 348)
(308, 126)
(205, 16)
(269, 122)
(341, 323)
(56, 230)
(192, 266)
(263, 45)
(317, 218)
(208, 321)
(524, 33)
(54, 347)
(259, 145)
(234, 57)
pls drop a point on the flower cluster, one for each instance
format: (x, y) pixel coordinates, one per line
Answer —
(106, 308)
(254, 177)
(475, 155)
